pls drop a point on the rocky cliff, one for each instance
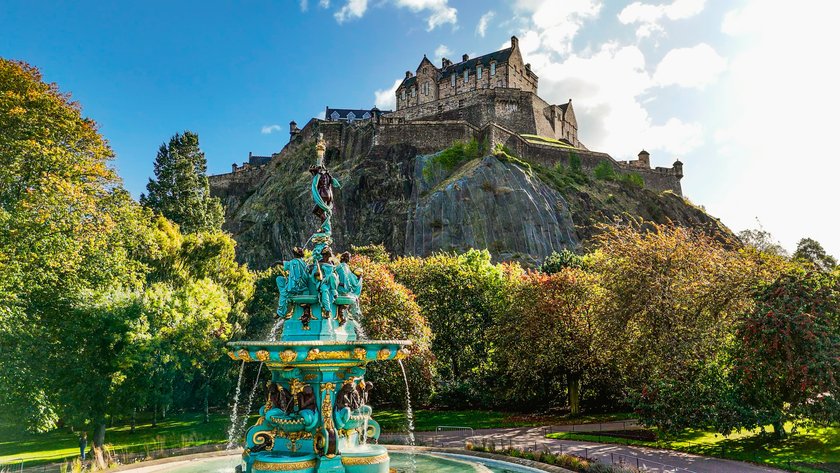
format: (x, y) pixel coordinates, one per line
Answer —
(517, 210)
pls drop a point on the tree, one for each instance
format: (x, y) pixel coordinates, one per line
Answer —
(180, 190)
(67, 229)
(763, 241)
(546, 344)
(390, 312)
(811, 251)
(788, 358)
(672, 300)
(460, 295)
(556, 262)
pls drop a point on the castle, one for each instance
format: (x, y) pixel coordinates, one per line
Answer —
(492, 98)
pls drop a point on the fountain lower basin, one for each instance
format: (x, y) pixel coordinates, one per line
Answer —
(316, 417)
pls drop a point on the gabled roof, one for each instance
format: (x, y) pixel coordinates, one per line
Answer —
(408, 81)
(500, 56)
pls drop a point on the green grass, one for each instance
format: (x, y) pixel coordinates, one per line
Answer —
(429, 420)
(802, 451)
(543, 140)
(186, 430)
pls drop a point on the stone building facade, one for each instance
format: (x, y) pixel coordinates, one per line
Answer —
(492, 98)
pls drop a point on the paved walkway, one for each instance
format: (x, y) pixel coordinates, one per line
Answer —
(648, 459)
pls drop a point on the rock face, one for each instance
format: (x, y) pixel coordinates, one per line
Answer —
(490, 204)
(385, 197)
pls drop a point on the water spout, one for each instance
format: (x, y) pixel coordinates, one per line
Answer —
(244, 425)
(276, 330)
(409, 417)
(234, 414)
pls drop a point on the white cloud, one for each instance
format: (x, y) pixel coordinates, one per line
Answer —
(559, 22)
(697, 66)
(352, 9)
(442, 51)
(778, 113)
(439, 11)
(324, 3)
(269, 129)
(386, 99)
(649, 16)
(484, 22)
(304, 5)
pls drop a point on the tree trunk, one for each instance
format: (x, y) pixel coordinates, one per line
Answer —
(133, 419)
(779, 429)
(99, 445)
(163, 412)
(207, 402)
(574, 393)
(154, 416)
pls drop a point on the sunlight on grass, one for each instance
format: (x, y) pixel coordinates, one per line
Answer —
(802, 450)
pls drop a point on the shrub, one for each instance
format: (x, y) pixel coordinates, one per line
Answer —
(605, 172)
(451, 157)
(557, 261)
(633, 178)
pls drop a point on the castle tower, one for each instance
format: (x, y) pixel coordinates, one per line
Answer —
(644, 159)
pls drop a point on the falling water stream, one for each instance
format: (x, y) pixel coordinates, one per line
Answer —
(409, 416)
(234, 414)
(244, 425)
(276, 330)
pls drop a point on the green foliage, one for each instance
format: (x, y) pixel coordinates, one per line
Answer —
(460, 295)
(180, 190)
(452, 157)
(376, 253)
(605, 171)
(632, 178)
(503, 153)
(555, 262)
(789, 352)
(810, 251)
(389, 311)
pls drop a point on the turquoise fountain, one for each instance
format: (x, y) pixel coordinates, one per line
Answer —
(316, 417)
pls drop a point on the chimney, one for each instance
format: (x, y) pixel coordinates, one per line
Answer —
(528, 66)
(465, 58)
(514, 42)
(407, 74)
(445, 63)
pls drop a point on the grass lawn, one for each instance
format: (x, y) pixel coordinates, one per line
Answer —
(186, 430)
(805, 451)
(393, 420)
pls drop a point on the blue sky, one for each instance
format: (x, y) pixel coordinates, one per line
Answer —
(743, 92)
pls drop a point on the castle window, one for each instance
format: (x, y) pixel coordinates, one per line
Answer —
(478, 72)
(426, 88)
(334, 116)
(366, 115)
(403, 94)
(492, 68)
(413, 91)
(453, 80)
(466, 75)
(351, 117)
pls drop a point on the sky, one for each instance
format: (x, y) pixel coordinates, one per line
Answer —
(744, 92)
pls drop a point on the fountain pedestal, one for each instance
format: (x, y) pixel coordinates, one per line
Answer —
(316, 417)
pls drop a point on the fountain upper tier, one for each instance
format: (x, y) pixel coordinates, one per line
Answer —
(318, 352)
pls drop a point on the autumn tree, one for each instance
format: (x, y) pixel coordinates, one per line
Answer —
(180, 190)
(672, 300)
(546, 344)
(389, 312)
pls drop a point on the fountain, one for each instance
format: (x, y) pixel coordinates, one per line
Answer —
(316, 417)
